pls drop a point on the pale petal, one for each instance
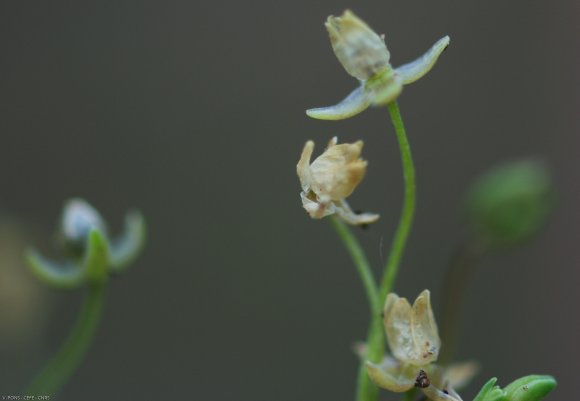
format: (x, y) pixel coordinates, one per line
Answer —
(389, 302)
(359, 49)
(416, 69)
(434, 394)
(426, 336)
(303, 166)
(333, 141)
(125, 248)
(395, 380)
(352, 105)
(337, 172)
(458, 375)
(58, 275)
(411, 331)
(399, 332)
(346, 213)
(317, 210)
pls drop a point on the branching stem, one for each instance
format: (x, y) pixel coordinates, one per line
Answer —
(366, 390)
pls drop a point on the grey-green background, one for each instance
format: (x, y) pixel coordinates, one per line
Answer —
(194, 113)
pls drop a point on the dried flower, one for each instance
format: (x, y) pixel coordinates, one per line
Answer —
(411, 331)
(365, 56)
(330, 179)
(414, 341)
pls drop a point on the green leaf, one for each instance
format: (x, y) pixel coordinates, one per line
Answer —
(490, 392)
(530, 388)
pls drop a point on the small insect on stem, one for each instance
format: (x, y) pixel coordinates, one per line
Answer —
(422, 380)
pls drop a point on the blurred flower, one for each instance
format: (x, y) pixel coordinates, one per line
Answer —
(511, 202)
(77, 221)
(331, 178)
(92, 254)
(414, 341)
(365, 56)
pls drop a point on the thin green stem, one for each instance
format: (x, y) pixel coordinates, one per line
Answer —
(360, 261)
(408, 212)
(376, 345)
(365, 388)
(59, 369)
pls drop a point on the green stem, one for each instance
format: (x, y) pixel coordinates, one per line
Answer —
(398, 246)
(59, 369)
(376, 345)
(360, 261)
(365, 388)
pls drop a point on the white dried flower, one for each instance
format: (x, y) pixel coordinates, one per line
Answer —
(330, 179)
(364, 55)
(362, 52)
(414, 341)
(411, 331)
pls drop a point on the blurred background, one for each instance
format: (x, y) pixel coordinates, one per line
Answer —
(194, 113)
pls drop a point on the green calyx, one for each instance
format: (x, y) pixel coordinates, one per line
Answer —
(384, 87)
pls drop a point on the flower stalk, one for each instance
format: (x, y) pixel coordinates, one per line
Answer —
(91, 257)
(59, 369)
(366, 390)
(408, 212)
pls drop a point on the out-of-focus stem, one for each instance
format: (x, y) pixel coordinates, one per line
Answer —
(459, 272)
(59, 369)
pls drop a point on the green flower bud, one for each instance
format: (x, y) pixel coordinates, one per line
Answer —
(530, 388)
(510, 203)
